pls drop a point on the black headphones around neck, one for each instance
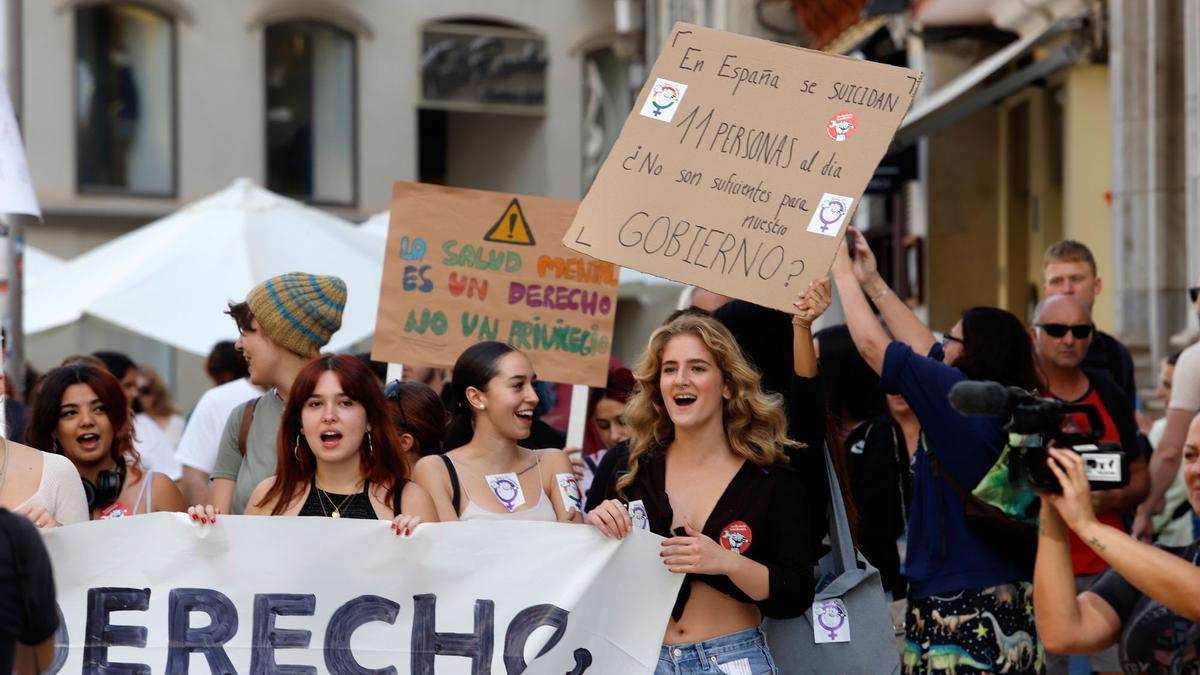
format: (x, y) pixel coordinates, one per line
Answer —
(107, 487)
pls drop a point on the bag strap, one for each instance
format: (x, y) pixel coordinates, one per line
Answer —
(839, 522)
(247, 418)
(456, 493)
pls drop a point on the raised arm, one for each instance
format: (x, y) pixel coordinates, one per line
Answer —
(869, 336)
(810, 304)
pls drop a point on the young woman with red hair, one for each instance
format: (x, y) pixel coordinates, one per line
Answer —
(339, 455)
(81, 412)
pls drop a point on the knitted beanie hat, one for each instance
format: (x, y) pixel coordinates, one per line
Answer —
(299, 311)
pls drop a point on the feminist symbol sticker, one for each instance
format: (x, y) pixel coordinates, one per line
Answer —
(664, 100)
(736, 537)
(637, 513)
(830, 214)
(568, 491)
(831, 621)
(507, 489)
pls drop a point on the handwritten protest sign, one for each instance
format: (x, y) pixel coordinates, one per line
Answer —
(316, 595)
(466, 265)
(741, 163)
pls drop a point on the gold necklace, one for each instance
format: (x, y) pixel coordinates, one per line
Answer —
(337, 509)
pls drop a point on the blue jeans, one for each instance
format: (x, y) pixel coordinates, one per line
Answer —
(741, 653)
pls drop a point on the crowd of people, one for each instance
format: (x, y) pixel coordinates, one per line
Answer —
(714, 440)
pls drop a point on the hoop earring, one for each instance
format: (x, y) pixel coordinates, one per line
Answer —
(370, 447)
(54, 446)
(296, 448)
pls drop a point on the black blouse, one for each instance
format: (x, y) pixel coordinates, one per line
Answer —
(762, 512)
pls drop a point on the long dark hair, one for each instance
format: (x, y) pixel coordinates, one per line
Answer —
(46, 407)
(997, 347)
(381, 462)
(851, 387)
(475, 367)
(417, 410)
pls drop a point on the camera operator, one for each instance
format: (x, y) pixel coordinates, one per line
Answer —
(1062, 332)
(1149, 599)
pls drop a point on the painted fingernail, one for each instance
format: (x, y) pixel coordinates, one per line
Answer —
(392, 525)
(195, 517)
(214, 519)
(407, 531)
(203, 520)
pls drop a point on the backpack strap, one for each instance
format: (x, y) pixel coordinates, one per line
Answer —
(456, 490)
(247, 418)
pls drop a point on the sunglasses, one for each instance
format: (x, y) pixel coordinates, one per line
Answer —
(1194, 292)
(1058, 330)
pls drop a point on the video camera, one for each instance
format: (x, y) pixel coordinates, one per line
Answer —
(1038, 423)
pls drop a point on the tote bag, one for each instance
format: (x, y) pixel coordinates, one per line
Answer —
(871, 649)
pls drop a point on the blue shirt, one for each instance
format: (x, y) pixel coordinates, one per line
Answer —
(944, 554)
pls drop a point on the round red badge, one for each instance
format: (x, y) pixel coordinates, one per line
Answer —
(841, 126)
(737, 537)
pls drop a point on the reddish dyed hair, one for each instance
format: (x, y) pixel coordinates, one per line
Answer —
(47, 404)
(385, 465)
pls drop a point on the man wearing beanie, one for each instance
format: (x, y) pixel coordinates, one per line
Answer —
(283, 323)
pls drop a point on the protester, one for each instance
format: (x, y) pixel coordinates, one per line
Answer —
(1062, 333)
(705, 433)
(966, 595)
(903, 415)
(155, 452)
(41, 486)
(81, 413)
(156, 402)
(1148, 602)
(197, 449)
(338, 454)
(283, 323)
(605, 424)
(225, 363)
(418, 416)
(494, 402)
(1175, 525)
(872, 448)
(1185, 403)
(28, 612)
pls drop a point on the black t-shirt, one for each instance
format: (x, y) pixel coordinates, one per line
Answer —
(27, 610)
(1106, 353)
(1154, 640)
(882, 488)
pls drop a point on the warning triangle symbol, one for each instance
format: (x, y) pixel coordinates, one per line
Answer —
(512, 228)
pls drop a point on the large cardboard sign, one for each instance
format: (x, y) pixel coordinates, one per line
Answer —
(160, 594)
(464, 266)
(741, 163)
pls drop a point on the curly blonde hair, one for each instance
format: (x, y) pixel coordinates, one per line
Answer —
(754, 421)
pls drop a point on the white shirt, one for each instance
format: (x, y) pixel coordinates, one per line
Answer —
(198, 446)
(154, 448)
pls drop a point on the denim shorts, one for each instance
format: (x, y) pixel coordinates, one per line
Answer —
(741, 653)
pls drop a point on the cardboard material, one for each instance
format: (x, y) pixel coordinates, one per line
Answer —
(466, 265)
(741, 164)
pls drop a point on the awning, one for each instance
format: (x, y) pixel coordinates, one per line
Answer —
(963, 95)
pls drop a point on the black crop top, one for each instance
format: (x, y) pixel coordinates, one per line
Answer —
(763, 512)
(352, 506)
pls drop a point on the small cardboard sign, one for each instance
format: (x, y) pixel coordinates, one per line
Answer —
(741, 163)
(464, 266)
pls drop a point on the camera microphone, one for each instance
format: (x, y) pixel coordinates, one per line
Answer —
(971, 397)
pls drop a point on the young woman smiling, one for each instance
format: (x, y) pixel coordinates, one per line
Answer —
(338, 453)
(486, 476)
(708, 470)
(81, 412)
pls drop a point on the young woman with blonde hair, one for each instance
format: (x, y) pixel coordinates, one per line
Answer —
(708, 470)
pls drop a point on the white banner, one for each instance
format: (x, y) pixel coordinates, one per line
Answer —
(316, 595)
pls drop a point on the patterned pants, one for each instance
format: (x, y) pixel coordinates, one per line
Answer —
(975, 630)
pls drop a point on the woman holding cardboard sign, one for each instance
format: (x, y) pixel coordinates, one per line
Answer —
(486, 475)
(708, 469)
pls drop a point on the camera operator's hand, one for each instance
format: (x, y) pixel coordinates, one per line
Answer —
(1075, 502)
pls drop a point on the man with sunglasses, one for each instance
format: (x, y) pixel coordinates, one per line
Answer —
(1069, 268)
(1062, 335)
(1185, 403)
